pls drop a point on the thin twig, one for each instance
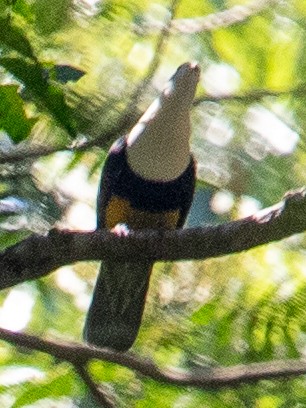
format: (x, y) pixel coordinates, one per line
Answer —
(98, 394)
(253, 96)
(128, 120)
(204, 378)
(31, 152)
(158, 52)
(161, 41)
(214, 21)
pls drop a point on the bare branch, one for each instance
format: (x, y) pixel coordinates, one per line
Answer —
(24, 152)
(253, 96)
(226, 18)
(203, 378)
(159, 48)
(234, 15)
(37, 255)
(129, 118)
(101, 397)
(161, 42)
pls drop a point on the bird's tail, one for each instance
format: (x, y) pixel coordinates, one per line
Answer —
(115, 313)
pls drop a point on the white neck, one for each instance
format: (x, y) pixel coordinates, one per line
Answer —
(158, 145)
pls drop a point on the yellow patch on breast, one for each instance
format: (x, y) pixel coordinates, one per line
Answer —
(119, 210)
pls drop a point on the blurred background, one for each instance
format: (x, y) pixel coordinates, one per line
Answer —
(75, 75)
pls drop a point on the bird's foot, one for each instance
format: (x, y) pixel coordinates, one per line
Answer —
(121, 230)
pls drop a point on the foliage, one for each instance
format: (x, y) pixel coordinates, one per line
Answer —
(69, 70)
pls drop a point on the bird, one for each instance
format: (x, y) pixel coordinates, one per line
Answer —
(147, 182)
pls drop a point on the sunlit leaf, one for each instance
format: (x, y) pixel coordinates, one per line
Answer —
(50, 97)
(269, 401)
(14, 38)
(58, 386)
(12, 115)
(23, 8)
(51, 16)
(205, 314)
(9, 238)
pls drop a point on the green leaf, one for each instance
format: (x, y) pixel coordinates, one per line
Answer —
(31, 75)
(269, 401)
(3, 7)
(50, 97)
(159, 396)
(23, 8)
(51, 16)
(14, 38)
(54, 100)
(283, 56)
(62, 385)
(268, 348)
(218, 4)
(292, 349)
(226, 328)
(205, 314)
(12, 116)
(9, 238)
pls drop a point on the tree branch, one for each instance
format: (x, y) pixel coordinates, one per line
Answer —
(203, 378)
(101, 396)
(159, 48)
(234, 15)
(37, 255)
(161, 43)
(32, 151)
(222, 19)
(253, 96)
(129, 118)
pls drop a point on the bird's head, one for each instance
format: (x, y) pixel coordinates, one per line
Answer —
(158, 145)
(182, 85)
